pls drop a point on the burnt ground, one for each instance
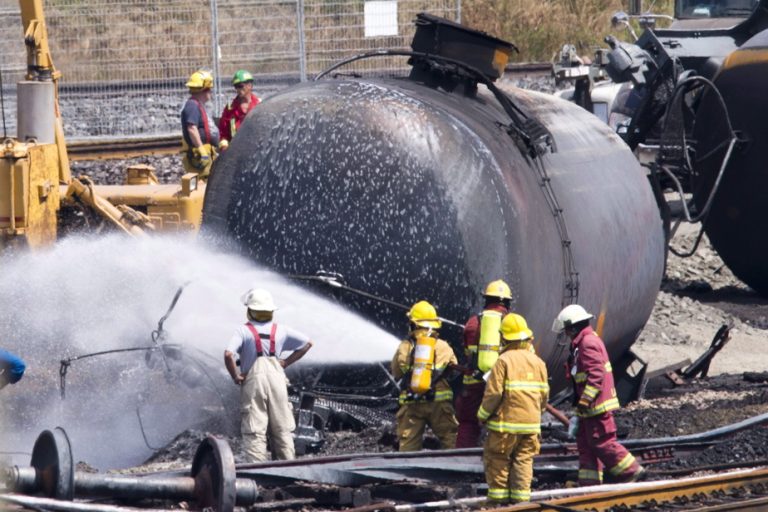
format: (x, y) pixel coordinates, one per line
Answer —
(697, 296)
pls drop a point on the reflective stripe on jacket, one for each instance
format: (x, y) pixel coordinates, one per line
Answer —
(401, 367)
(592, 374)
(232, 117)
(516, 392)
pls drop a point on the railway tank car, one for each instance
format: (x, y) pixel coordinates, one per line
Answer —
(695, 110)
(737, 220)
(430, 186)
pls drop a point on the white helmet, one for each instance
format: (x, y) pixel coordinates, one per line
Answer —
(258, 299)
(570, 315)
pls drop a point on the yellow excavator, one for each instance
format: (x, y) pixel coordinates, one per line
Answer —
(35, 177)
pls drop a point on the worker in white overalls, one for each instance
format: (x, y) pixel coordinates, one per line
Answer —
(264, 391)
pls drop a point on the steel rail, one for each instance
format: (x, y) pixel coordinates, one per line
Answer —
(425, 466)
(115, 149)
(698, 492)
(633, 495)
(753, 504)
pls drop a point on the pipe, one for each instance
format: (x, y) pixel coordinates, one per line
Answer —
(559, 415)
(24, 479)
(36, 503)
(93, 484)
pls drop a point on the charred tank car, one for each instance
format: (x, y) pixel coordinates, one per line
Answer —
(698, 103)
(430, 186)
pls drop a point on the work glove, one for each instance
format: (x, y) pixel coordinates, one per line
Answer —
(573, 426)
(201, 157)
(223, 144)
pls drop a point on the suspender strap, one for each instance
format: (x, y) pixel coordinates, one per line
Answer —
(207, 128)
(272, 339)
(257, 337)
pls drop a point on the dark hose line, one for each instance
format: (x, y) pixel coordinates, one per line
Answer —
(334, 282)
(681, 88)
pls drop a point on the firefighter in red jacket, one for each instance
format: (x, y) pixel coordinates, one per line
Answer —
(238, 108)
(481, 330)
(595, 397)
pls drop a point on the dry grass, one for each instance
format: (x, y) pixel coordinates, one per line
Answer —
(539, 28)
(145, 39)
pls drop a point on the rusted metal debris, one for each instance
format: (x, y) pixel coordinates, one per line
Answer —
(683, 372)
(354, 480)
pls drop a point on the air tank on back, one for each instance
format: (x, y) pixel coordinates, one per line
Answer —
(431, 186)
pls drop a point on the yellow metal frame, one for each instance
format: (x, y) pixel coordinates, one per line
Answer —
(35, 179)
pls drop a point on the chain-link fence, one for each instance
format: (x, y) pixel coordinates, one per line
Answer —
(124, 63)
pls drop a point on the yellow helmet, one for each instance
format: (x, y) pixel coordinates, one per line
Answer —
(200, 80)
(515, 328)
(498, 289)
(424, 314)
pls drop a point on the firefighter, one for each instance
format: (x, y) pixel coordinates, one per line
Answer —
(514, 397)
(476, 331)
(595, 398)
(426, 397)
(238, 108)
(263, 384)
(200, 136)
(11, 368)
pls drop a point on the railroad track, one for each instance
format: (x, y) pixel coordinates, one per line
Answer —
(400, 481)
(115, 149)
(131, 147)
(737, 490)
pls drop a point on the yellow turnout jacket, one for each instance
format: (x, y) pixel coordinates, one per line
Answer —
(516, 392)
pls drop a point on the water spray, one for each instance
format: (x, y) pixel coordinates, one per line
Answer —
(158, 336)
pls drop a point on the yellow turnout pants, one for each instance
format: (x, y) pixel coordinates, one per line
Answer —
(413, 417)
(265, 408)
(508, 460)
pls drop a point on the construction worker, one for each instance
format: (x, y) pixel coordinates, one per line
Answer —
(11, 368)
(497, 299)
(264, 393)
(200, 136)
(595, 398)
(516, 392)
(426, 397)
(238, 108)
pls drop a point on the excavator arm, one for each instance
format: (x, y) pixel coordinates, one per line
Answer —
(35, 176)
